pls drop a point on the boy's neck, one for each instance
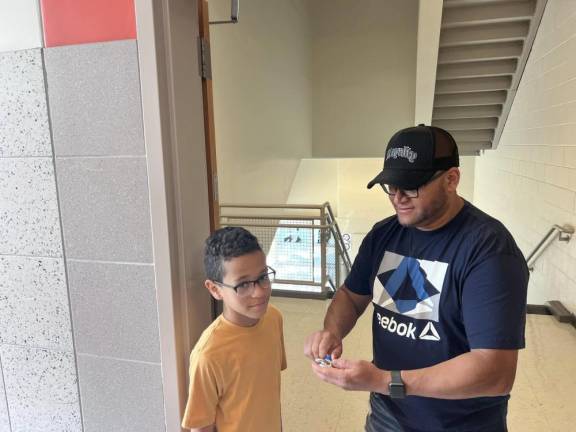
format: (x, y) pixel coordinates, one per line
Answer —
(239, 319)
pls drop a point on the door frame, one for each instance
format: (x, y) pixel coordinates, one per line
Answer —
(181, 215)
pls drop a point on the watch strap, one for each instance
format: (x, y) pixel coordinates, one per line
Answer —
(396, 387)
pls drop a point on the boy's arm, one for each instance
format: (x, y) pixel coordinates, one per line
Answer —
(210, 428)
(203, 395)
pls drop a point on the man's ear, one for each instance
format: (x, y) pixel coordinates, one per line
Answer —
(453, 177)
(213, 289)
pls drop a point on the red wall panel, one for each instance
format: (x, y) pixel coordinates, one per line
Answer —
(71, 22)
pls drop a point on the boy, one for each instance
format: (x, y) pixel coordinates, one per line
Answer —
(235, 366)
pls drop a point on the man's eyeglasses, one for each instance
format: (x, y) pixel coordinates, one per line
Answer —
(246, 288)
(409, 193)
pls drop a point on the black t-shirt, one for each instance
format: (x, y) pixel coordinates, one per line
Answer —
(436, 295)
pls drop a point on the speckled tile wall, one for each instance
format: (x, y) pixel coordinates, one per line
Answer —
(29, 223)
(4, 419)
(40, 389)
(24, 129)
(34, 306)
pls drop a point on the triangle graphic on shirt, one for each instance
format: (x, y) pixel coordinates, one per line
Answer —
(429, 333)
(424, 306)
(407, 285)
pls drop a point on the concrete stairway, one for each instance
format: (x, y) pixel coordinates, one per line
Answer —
(484, 46)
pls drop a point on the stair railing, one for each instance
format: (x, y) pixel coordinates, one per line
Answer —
(303, 241)
(564, 234)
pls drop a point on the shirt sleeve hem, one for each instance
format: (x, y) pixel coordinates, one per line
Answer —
(497, 344)
(197, 424)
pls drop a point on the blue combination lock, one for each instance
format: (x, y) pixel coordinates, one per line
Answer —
(325, 362)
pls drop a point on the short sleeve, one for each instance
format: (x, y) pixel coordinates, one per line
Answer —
(494, 303)
(358, 280)
(202, 396)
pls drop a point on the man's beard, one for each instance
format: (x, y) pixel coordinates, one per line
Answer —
(436, 209)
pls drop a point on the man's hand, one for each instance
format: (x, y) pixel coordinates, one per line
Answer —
(322, 342)
(343, 312)
(357, 375)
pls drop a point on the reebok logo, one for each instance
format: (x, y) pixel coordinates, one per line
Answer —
(401, 329)
(429, 333)
(404, 152)
(407, 330)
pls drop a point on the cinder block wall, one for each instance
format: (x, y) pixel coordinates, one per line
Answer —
(529, 182)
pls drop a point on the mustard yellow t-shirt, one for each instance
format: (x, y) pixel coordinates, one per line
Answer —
(235, 376)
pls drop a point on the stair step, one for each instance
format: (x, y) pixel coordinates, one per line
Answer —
(466, 85)
(485, 51)
(441, 113)
(470, 99)
(560, 312)
(470, 136)
(476, 69)
(458, 13)
(467, 123)
(483, 33)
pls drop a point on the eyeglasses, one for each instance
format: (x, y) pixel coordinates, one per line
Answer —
(409, 193)
(246, 288)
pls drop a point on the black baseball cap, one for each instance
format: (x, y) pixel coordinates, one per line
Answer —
(414, 154)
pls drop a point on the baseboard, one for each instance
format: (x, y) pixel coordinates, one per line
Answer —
(555, 308)
(538, 310)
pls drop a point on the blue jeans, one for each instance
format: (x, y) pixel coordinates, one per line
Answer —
(379, 419)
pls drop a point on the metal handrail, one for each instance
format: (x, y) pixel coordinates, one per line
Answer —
(332, 225)
(338, 236)
(564, 234)
(278, 225)
(283, 206)
(263, 216)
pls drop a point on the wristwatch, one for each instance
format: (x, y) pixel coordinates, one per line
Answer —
(396, 387)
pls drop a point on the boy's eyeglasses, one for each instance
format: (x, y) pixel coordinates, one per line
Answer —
(409, 193)
(246, 288)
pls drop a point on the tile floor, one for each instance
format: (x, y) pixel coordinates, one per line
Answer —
(542, 400)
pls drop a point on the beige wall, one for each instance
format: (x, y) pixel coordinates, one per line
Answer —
(364, 73)
(467, 177)
(261, 73)
(342, 182)
(529, 182)
(295, 79)
(429, 23)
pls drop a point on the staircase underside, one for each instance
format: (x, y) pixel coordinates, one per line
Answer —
(484, 46)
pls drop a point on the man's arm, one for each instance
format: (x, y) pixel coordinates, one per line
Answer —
(344, 311)
(478, 373)
(341, 317)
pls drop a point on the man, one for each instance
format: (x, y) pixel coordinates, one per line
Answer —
(448, 285)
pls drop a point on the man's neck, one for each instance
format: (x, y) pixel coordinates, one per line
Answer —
(455, 204)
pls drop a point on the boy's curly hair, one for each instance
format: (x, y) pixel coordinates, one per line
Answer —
(225, 244)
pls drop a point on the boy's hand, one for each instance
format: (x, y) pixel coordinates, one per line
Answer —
(354, 375)
(322, 342)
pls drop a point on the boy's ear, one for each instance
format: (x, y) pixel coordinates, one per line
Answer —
(213, 289)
